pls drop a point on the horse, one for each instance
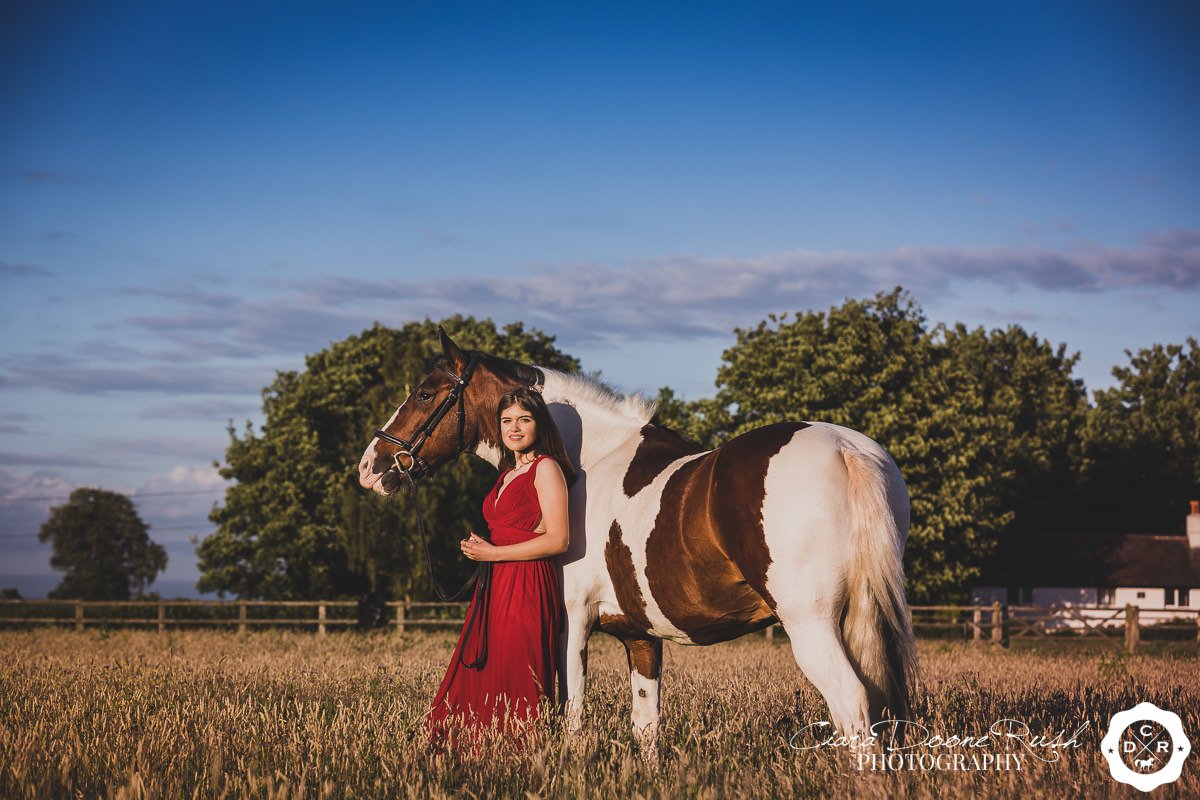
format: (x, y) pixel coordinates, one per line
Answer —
(800, 523)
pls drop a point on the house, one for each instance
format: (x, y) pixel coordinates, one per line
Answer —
(1095, 577)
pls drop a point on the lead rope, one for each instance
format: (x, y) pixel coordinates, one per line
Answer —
(481, 580)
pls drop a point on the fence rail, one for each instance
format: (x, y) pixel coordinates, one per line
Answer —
(997, 624)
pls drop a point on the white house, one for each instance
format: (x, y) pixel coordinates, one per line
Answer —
(1158, 574)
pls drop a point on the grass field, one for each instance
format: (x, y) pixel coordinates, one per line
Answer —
(273, 715)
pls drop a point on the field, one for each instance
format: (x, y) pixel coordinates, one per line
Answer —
(274, 715)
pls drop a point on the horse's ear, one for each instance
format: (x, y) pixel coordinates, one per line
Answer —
(453, 352)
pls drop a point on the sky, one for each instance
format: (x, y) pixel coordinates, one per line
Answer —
(195, 195)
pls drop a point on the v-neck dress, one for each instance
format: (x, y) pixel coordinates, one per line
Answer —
(525, 613)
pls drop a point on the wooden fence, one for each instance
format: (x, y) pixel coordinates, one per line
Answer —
(996, 624)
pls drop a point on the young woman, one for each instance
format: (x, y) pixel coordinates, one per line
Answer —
(520, 613)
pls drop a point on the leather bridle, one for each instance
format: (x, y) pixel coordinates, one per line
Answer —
(412, 450)
(481, 579)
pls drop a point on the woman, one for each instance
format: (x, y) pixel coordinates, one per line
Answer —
(520, 614)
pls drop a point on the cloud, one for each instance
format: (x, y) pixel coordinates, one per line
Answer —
(24, 271)
(57, 374)
(442, 238)
(688, 296)
(179, 502)
(221, 410)
(57, 459)
(218, 341)
(1018, 315)
(35, 177)
(193, 448)
(25, 502)
(42, 176)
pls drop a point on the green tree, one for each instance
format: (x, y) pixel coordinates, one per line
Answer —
(296, 524)
(102, 546)
(1028, 389)
(958, 409)
(1142, 443)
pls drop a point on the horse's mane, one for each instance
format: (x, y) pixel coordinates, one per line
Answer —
(584, 388)
(522, 372)
(590, 389)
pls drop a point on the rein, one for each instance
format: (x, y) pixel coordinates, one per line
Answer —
(481, 580)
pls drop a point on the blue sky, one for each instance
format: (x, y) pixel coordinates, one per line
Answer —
(194, 195)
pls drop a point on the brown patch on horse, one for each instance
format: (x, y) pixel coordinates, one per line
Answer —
(659, 447)
(707, 557)
(619, 561)
(644, 656)
(620, 627)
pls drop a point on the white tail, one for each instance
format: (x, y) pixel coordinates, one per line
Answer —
(876, 627)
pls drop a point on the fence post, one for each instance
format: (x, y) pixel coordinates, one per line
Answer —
(401, 613)
(998, 636)
(78, 615)
(1133, 633)
(321, 619)
(241, 616)
(162, 617)
(977, 625)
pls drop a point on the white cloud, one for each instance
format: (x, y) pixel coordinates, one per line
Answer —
(222, 343)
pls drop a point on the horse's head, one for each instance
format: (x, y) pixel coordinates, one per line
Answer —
(452, 411)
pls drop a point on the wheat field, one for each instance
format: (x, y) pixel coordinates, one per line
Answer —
(279, 715)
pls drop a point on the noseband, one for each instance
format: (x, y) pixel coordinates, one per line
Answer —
(411, 450)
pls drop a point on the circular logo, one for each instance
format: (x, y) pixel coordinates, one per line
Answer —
(1145, 746)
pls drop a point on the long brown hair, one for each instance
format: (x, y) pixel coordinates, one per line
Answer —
(549, 440)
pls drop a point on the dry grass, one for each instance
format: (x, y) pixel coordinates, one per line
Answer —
(208, 714)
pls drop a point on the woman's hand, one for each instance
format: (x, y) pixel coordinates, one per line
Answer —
(477, 549)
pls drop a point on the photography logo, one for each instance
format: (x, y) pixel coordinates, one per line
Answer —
(1145, 746)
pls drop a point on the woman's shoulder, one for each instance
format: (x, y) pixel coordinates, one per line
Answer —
(551, 465)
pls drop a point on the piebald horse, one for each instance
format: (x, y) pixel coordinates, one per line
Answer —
(798, 523)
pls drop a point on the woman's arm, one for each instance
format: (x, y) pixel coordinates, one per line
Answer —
(551, 489)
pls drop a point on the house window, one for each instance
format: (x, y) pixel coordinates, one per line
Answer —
(1020, 595)
(1141, 595)
(1175, 596)
(1105, 596)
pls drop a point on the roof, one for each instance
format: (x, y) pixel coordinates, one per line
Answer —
(1134, 559)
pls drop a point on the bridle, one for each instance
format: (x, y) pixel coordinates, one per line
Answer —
(412, 449)
(481, 579)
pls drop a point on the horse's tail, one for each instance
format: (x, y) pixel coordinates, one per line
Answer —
(876, 628)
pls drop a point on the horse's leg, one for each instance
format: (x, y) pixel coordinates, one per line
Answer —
(645, 680)
(817, 647)
(575, 671)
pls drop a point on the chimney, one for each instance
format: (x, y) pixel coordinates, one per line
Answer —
(1193, 526)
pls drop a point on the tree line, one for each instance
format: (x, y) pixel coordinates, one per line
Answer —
(1002, 451)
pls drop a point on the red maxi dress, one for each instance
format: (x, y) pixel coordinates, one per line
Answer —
(524, 617)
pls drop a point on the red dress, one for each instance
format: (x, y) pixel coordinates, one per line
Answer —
(524, 616)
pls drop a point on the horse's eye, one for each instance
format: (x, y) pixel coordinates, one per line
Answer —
(424, 397)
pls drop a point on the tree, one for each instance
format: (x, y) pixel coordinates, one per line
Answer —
(296, 524)
(970, 416)
(1027, 384)
(102, 545)
(1142, 443)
